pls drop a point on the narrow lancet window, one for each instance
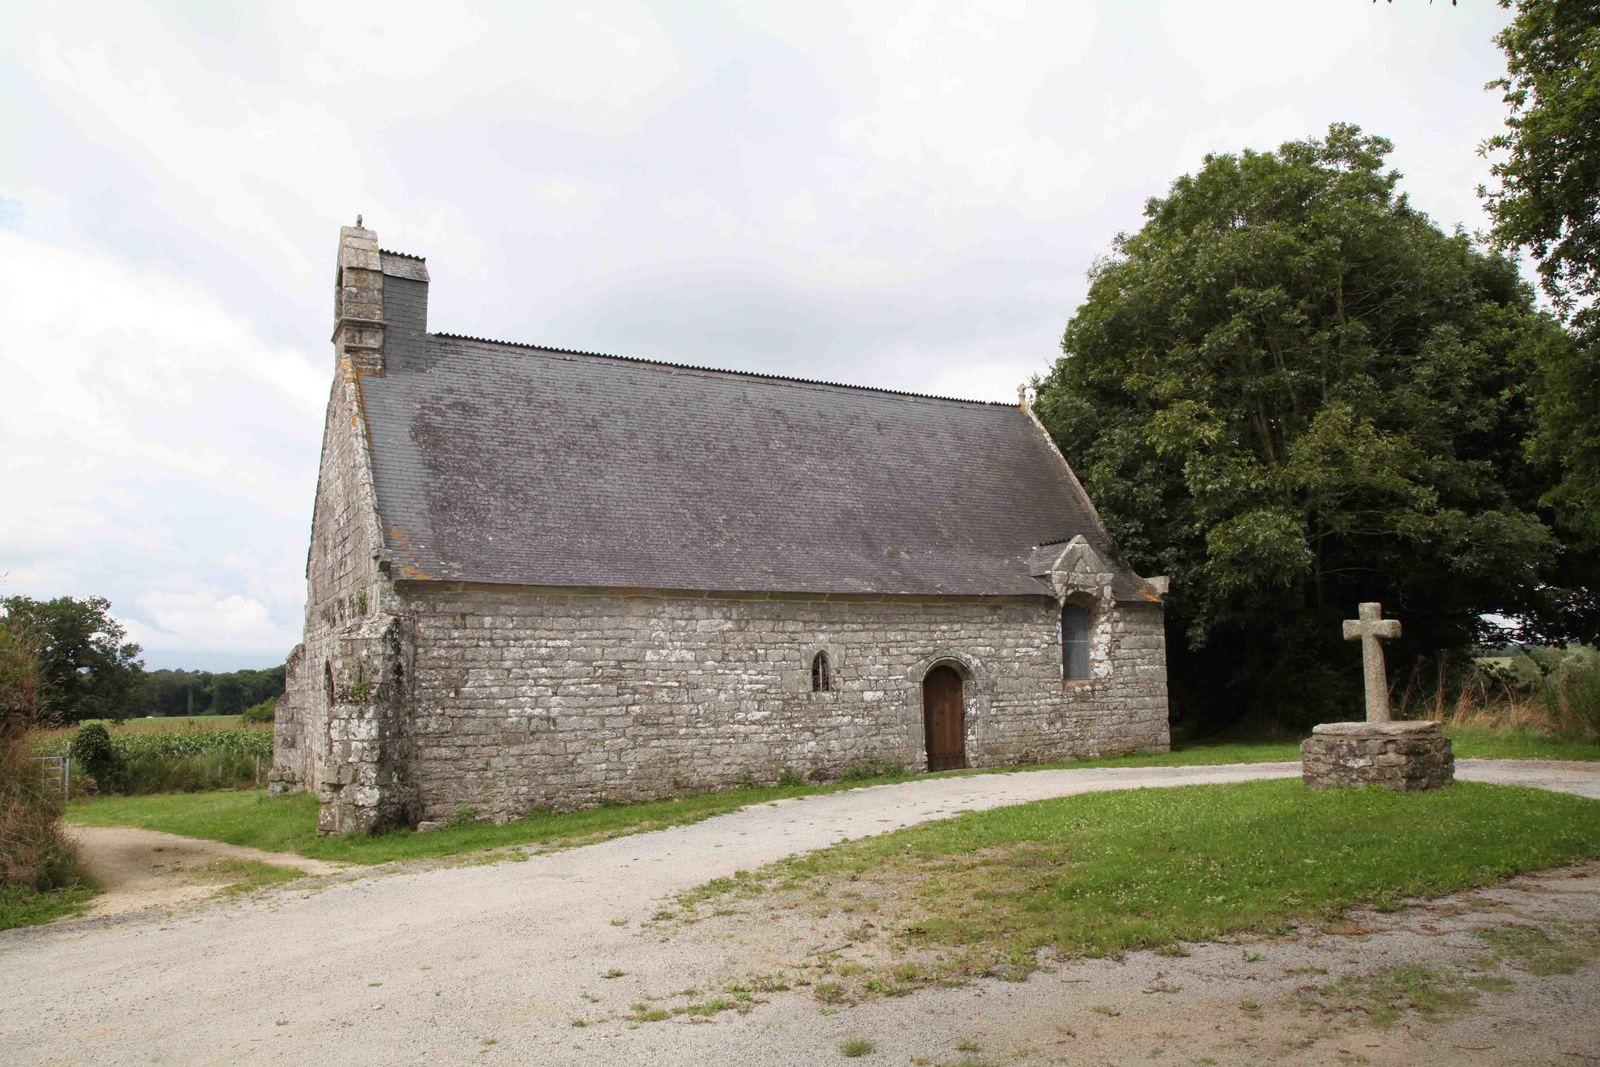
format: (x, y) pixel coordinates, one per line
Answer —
(821, 676)
(1074, 642)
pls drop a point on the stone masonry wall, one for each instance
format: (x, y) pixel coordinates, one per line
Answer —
(527, 699)
(342, 724)
(1404, 756)
(341, 582)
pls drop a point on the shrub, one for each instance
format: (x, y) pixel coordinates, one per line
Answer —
(34, 854)
(93, 751)
(1571, 692)
(262, 712)
(1542, 691)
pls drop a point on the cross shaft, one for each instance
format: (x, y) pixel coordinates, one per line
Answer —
(1369, 627)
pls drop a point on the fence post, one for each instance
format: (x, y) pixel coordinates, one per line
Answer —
(66, 774)
(258, 768)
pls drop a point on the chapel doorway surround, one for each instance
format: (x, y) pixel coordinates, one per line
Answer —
(943, 718)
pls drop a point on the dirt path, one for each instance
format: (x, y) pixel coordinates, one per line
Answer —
(140, 869)
(496, 963)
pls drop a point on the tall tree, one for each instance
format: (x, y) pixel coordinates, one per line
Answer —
(88, 670)
(1292, 392)
(1547, 163)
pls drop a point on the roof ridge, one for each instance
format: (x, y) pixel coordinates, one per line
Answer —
(721, 370)
(403, 255)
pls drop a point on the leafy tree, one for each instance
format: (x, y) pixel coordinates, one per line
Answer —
(1292, 392)
(87, 669)
(1548, 201)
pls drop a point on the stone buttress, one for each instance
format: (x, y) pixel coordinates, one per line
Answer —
(343, 727)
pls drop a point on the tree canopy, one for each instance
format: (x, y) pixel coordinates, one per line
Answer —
(1547, 164)
(179, 692)
(1292, 392)
(86, 667)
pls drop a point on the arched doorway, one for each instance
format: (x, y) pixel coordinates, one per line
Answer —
(942, 723)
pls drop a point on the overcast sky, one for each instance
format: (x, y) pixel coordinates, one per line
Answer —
(904, 195)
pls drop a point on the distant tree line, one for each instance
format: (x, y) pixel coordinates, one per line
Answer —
(171, 692)
(87, 669)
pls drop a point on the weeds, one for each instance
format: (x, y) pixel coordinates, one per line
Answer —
(1536, 692)
(856, 1046)
(1382, 997)
(1531, 949)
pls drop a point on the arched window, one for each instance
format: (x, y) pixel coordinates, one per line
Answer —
(821, 676)
(1074, 642)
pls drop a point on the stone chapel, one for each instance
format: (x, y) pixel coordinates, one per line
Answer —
(545, 579)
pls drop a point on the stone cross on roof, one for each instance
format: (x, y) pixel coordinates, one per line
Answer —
(1368, 628)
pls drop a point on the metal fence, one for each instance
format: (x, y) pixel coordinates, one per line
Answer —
(58, 770)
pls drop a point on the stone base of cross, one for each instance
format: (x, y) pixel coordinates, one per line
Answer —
(1369, 627)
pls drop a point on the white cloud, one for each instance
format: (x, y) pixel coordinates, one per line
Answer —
(904, 195)
(201, 621)
(157, 433)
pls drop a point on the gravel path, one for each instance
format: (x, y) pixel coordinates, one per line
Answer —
(489, 962)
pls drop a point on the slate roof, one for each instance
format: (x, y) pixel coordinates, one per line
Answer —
(517, 464)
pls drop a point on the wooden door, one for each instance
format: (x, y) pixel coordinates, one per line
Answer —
(942, 720)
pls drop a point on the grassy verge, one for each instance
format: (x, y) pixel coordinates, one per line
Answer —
(246, 876)
(984, 893)
(288, 824)
(1490, 744)
(23, 907)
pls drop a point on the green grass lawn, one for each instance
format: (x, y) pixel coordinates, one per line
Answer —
(288, 824)
(1486, 744)
(1101, 873)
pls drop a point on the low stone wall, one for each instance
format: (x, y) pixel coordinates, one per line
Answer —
(1405, 756)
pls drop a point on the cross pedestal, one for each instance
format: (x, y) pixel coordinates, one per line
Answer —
(1399, 755)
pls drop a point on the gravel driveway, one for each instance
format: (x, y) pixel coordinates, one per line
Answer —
(490, 962)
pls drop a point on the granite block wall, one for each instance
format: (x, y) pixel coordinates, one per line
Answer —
(533, 699)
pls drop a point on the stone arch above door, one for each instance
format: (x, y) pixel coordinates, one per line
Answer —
(974, 694)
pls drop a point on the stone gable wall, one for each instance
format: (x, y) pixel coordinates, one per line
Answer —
(526, 699)
(340, 726)
(340, 584)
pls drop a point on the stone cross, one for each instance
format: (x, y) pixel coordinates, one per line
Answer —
(1368, 629)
